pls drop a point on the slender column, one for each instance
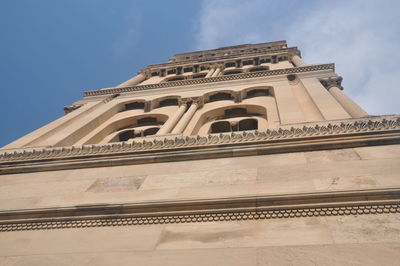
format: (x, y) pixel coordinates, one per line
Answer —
(334, 87)
(171, 122)
(209, 74)
(216, 73)
(185, 118)
(133, 81)
(298, 62)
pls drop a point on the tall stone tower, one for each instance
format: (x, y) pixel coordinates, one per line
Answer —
(241, 155)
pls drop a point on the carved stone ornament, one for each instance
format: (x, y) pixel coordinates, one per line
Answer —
(197, 100)
(332, 82)
(380, 124)
(386, 201)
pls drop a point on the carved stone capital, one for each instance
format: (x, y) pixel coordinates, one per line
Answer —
(332, 82)
(194, 100)
(199, 101)
(220, 66)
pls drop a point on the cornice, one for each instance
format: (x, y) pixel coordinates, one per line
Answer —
(302, 137)
(187, 82)
(235, 48)
(215, 59)
(259, 207)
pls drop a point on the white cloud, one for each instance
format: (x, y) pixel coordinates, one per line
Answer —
(361, 37)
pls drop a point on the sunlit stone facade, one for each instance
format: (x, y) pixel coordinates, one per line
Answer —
(241, 155)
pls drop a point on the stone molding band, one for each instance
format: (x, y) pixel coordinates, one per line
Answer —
(349, 134)
(211, 79)
(380, 201)
(340, 128)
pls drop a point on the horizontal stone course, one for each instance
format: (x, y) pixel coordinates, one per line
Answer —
(332, 128)
(210, 80)
(382, 201)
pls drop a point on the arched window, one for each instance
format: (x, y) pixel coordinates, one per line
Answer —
(130, 134)
(230, 64)
(256, 69)
(235, 112)
(150, 131)
(168, 102)
(175, 78)
(232, 72)
(199, 76)
(147, 121)
(248, 124)
(188, 69)
(134, 106)
(226, 126)
(220, 127)
(265, 60)
(171, 71)
(248, 62)
(220, 96)
(124, 136)
(257, 93)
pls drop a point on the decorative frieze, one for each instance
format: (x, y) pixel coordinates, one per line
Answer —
(351, 203)
(187, 82)
(384, 124)
(203, 217)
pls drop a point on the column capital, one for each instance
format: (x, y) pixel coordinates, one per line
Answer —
(199, 101)
(332, 82)
(218, 65)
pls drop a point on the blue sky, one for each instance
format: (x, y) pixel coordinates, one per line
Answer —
(52, 51)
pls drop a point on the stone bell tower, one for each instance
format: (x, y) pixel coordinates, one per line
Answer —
(241, 155)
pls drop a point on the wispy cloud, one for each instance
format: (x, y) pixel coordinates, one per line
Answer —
(362, 37)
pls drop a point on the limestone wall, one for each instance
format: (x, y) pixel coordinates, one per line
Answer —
(330, 240)
(330, 170)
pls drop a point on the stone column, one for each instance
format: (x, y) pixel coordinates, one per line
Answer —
(186, 118)
(171, 122)
(333, 85)
(133, 81)
(297, 61)
(216, 73)
(209, 74)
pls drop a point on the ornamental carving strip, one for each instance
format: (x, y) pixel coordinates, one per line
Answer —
(241, 76)
(379, 124)
(202, 217)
